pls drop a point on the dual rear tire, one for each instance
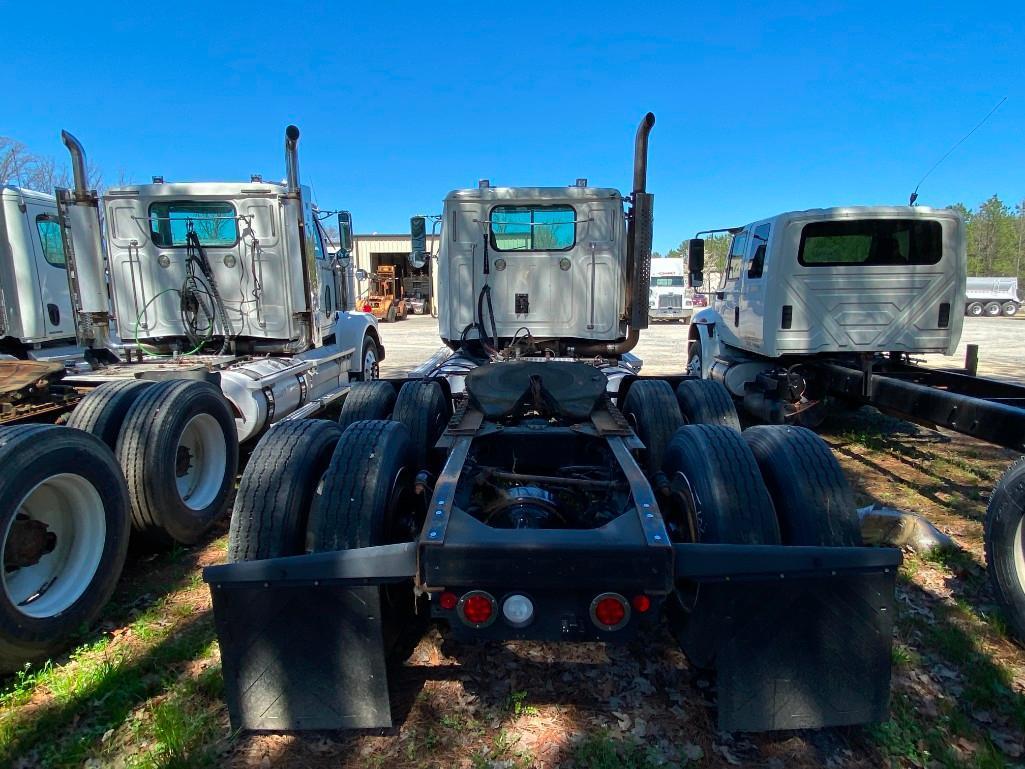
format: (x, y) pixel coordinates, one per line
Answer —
(769, 485)
(177, 445)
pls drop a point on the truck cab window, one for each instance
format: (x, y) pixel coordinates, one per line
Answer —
(871, 243)
(736, 258)
(533, 228)
(761, 239)
(215, 222)
(50, 238)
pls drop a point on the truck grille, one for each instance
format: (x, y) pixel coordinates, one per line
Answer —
(670, 302)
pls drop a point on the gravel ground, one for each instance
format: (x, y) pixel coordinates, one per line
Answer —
(1001, 346)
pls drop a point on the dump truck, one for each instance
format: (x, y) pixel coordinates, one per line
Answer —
(206, 313)
(528, 483)
(827, 309)
(992, 297)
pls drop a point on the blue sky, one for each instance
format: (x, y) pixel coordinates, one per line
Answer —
(760, 109)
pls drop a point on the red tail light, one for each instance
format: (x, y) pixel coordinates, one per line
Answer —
(448, 600)
(610, 611)
(477, 608)
(641, 603)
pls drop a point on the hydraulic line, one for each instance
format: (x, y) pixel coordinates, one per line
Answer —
(196, 254)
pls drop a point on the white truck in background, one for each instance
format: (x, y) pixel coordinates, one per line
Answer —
(668, 298)
(36, 319)
(992, 297)
(828, 308)
(205, 313)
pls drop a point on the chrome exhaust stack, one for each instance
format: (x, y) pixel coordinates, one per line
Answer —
(639, 230)
(292, 158)
(78, 166)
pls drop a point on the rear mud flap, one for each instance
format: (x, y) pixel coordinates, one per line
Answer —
(795, 653)
(310, 657)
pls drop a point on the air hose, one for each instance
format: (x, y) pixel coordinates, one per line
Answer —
(195, 253)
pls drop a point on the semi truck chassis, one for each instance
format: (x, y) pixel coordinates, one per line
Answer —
(799, 636)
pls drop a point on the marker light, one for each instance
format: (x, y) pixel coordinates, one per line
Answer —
(518, 610)
(641, 603)
(448, 600)
(610, 611)
(477, 608)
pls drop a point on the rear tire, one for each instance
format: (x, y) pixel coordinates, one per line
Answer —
(813, 501)
(1005, 544)
(1010, 309)
(652, 409)
(367, 400)
(103, 410)
(276, 492)
(423, 408)
(69, 481)
(366, 500)
(992, 309)
(716, 496)
(974, 309)
(179, 452)
(704, 402)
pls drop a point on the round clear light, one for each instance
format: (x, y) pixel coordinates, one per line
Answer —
(164, 261)
(229, 260)
(500, 264)
(565, 264)
(518, 610)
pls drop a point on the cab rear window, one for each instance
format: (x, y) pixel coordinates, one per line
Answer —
(871, 242)
(215, 222)
(533, 228)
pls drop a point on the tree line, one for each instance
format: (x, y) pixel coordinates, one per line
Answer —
(996, 238)
(23, 168)
(995, 234)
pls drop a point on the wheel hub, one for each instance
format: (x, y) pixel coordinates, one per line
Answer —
(182, 461)
(27, 543)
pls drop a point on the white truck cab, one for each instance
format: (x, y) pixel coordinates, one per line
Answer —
(833, 284)
(841, 280)
(669, 297)
(35, 303)
(548, 261)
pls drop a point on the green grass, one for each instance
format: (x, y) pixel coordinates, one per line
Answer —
(601, 751)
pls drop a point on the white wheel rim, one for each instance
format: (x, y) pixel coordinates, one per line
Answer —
(370, 364)
(1018, 549)
(200, 461)
(72, 510)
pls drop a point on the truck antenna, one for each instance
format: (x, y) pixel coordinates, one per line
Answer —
(914, 195)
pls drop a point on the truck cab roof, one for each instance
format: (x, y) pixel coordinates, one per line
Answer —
(196, 189)
(534, 193)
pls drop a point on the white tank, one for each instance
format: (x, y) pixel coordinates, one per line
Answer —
(266, 390)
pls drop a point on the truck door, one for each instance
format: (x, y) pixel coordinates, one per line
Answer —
(751, 297)
(729, 293)
(50, 271)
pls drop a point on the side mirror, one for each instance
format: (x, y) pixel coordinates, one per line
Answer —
(695, 262)
(418, 235)
(345, 231)
(361, 275)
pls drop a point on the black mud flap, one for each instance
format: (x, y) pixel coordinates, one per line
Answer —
(303, 641)
(795, 651)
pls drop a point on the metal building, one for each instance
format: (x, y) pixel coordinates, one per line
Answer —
(376, 249)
